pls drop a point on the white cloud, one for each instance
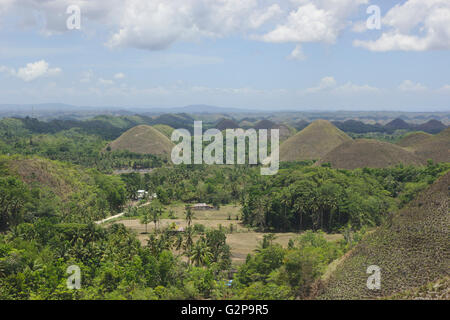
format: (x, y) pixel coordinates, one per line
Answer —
(415, 25)
(105, 82)
(259, 18)
(330, 85)
(50, 16)
(410, 86)
(119, 75)
(359, 27)
(351, 88)
(326, 83)
(314, 21)
(32, 71)
(157, 24)
(297, 53)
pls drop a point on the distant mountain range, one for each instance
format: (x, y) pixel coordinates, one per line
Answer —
(9, 110)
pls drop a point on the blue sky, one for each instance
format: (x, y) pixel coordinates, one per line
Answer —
(261, 54)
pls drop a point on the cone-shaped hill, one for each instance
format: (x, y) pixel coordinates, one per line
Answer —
(143, 139)
(413, 138)
(224, 124)
(411, 250)
(436, 147)
(313, 142)
(363, 153)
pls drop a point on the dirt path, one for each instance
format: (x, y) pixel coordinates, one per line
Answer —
(118, 215)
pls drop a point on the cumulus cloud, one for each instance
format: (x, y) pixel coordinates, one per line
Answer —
(415, 25)
(410, 86)
(50, 16)
(32, 71)
(314, 21)
(157, 24)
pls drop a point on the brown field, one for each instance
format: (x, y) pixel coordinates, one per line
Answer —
(242, 241)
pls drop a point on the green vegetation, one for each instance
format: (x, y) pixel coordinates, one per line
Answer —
(58, 178)
(34, 188)
(410, 248)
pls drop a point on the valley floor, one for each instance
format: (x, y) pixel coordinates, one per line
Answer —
(242, 240)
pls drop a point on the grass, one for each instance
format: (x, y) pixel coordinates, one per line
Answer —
(435, 147)
(413, 138)
(411, 250)
(143, 139)
(369, 153)
(313, 142)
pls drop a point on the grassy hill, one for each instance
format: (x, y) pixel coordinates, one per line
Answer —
(435, 147)
(432, 126)
(413, 138)
(164, 129)
(286, 131)
(368, 153)
(411, 250)
(224, 124)
(313, 142)
(72, 193)
(264, 124)
(143, 139)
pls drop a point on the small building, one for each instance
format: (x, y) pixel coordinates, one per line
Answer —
(202, 206)
(141, 194)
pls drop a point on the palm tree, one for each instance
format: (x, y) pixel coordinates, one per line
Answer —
(200, 253)
(156, 211)
(189, 214)
(189, 242)
(145, 219)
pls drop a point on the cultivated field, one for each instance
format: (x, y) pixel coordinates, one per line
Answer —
(242, 240)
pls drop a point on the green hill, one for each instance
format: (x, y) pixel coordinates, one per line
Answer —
(313, 142)
(363, 153)
(67, 191)
(143, 139)
(411, 249)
